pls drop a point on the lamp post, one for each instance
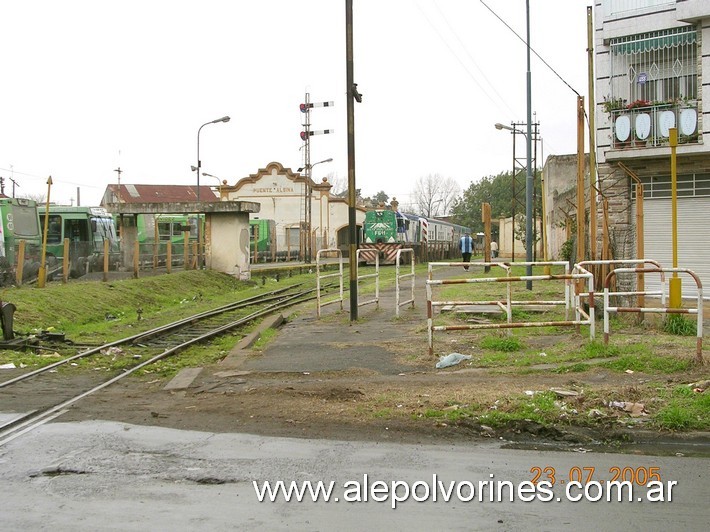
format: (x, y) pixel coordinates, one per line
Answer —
(199, 164)
(529, 187)
(307, 204)
(205, 174)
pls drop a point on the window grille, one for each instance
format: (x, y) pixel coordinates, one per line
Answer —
(687, 185)
(655, 67)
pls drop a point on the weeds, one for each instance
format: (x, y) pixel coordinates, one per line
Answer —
(679, 325)
(684, 410)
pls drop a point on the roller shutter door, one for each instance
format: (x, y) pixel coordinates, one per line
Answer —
(693, 240)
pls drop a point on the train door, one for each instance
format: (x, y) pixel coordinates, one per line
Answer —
(77, 231)
(54, 230)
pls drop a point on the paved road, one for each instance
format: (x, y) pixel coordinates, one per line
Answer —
(112, 476)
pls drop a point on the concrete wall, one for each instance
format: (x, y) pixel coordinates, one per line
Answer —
(506, 245)
(227, 243)
(560, 175)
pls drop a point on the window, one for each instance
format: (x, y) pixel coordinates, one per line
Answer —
(657, 67)
(687, 185)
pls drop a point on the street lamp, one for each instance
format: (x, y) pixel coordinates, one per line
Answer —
(199, 164)
(307, 204)
(205, 174)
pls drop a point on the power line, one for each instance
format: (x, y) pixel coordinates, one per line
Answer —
(57, 181)
(531, 48)
(461, 62)
(483, 74)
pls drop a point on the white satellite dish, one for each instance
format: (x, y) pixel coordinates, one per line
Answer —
(643, 125)
(666, 120)
(688, 121)
(622, 128)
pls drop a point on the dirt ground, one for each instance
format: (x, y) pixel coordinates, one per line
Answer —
(334, 380)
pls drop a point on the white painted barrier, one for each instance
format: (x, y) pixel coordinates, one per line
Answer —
(339, 274)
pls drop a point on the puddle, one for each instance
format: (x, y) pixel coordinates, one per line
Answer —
(691, 449)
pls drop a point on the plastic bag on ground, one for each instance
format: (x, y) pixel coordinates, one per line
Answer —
(451, 360)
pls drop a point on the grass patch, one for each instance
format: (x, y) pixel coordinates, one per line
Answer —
(684, 410)
(540, 408)
(649, 363)
(264, 339)
(506, 345)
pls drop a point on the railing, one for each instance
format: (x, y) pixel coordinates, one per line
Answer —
(579, 274)
(399, 277)
(376, 276)
(647, 126)
(339, 275)
(698, 310)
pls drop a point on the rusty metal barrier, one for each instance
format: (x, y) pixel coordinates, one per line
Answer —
(375, 275)
(608, 309)
(319, 303)
(398, 277)
(580, 273)
(616, 262)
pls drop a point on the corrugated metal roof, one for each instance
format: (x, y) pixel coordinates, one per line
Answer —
(161, 193)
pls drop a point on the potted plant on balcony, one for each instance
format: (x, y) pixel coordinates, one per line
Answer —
(636, 104)
(613, 104)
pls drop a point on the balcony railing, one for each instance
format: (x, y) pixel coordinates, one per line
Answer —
(648, 126)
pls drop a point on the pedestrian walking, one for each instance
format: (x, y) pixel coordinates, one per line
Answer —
(494, 249)
(466, 247)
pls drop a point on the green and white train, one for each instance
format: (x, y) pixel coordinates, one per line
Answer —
(386, 231)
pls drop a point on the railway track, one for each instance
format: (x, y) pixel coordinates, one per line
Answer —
(145, 348)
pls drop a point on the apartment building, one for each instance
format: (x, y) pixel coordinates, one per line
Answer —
(652, 73)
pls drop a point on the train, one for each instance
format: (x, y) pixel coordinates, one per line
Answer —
(19, 222)
(86, 229)
(385, 231)
(262, 232)
(172, 227)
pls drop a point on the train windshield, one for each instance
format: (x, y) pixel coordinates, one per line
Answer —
(103, 228)
(26, 224)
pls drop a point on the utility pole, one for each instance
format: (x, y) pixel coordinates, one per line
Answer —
(529, 180)
(14, 184)
(352, 96)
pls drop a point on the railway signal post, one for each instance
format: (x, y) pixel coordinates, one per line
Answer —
(306, 135)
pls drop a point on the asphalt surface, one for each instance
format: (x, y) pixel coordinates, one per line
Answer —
(112, 476)
(100, 475)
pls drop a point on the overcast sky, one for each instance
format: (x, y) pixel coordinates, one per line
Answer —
(91, 86)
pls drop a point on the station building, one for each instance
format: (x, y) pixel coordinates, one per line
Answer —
(282, 195)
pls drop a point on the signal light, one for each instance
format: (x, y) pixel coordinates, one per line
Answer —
(303, 107)
(304, 135)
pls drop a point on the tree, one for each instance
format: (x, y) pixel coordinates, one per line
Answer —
(339, 184)
(496, 190)
(37, 197)
(435, 195)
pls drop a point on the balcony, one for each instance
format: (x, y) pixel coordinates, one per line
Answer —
(646, 124)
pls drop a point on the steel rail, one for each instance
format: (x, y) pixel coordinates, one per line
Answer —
(19, 426)
(162, 329)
